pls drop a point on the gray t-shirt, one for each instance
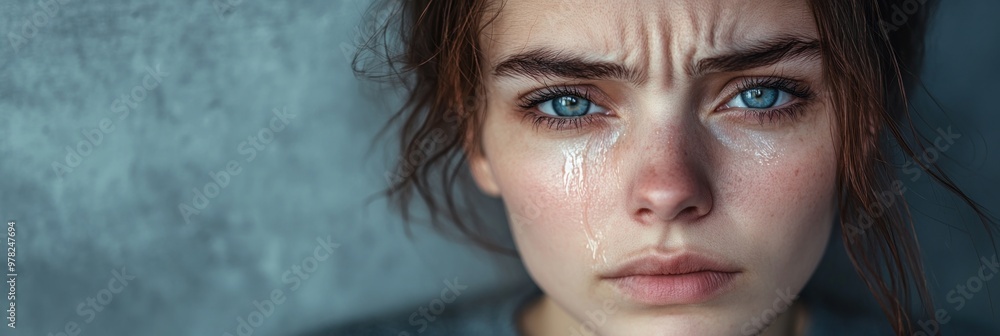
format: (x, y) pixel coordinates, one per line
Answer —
(496, 316)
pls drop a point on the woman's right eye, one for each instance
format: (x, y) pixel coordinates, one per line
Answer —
(569, 106)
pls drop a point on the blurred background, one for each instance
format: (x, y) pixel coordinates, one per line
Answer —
(117, 118)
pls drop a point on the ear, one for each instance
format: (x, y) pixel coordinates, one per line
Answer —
(479, 163)
(482, 173)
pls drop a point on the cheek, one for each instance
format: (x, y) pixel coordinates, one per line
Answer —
(792, 190)
(784, 208)
(778, 187)
(545, 222)
(548, 191)
(550, 188)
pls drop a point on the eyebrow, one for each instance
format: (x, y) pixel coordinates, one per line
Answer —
(763, 53)
(543, 63)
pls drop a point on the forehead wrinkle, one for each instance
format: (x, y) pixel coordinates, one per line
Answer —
(664, 34)
(718, 32)
(692, 30)
(708, 32)
(624, 43)
(648, 43)
(604, 44)
(658, 39)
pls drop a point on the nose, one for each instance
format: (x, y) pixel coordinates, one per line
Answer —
(670, 182)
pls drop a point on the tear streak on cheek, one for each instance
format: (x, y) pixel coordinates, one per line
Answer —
(762, 147)
(585, 164)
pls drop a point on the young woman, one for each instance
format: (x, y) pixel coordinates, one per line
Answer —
(668, 167)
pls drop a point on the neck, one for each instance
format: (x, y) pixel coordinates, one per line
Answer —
(544, 317)
(791, 322)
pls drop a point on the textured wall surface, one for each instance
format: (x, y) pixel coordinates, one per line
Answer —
(118, 207)
(115, 115)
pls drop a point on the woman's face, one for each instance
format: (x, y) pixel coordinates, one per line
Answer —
(668, 166)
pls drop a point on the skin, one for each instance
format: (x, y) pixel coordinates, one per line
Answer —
(670, 166)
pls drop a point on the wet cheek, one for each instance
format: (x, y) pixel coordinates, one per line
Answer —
(787, 209)
(544, 219)
(528, 170)
(551, 188)
(773, 182)
(545, 193)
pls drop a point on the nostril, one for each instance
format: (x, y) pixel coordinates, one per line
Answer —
(647, 215)
(688, 213)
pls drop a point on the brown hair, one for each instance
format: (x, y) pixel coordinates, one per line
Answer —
(865, 59)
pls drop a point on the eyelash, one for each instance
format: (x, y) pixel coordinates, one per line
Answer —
(530, 103)
(773, 115)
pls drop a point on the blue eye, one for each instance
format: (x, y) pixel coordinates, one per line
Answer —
(569, 106)
(760, 98)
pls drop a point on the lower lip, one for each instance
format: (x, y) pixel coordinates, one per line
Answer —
(675, 289)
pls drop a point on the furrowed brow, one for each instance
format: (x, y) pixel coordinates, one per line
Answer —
(762, 54)
(541, 64)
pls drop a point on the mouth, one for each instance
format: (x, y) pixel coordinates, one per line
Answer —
(673, 279)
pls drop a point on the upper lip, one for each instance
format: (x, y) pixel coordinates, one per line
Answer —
(661, 263)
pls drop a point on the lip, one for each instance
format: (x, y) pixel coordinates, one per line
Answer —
(673, 279)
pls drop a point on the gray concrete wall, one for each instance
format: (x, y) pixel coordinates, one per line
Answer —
(118, 207)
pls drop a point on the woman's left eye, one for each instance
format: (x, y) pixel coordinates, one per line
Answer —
(569, 106)
(759, 98)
